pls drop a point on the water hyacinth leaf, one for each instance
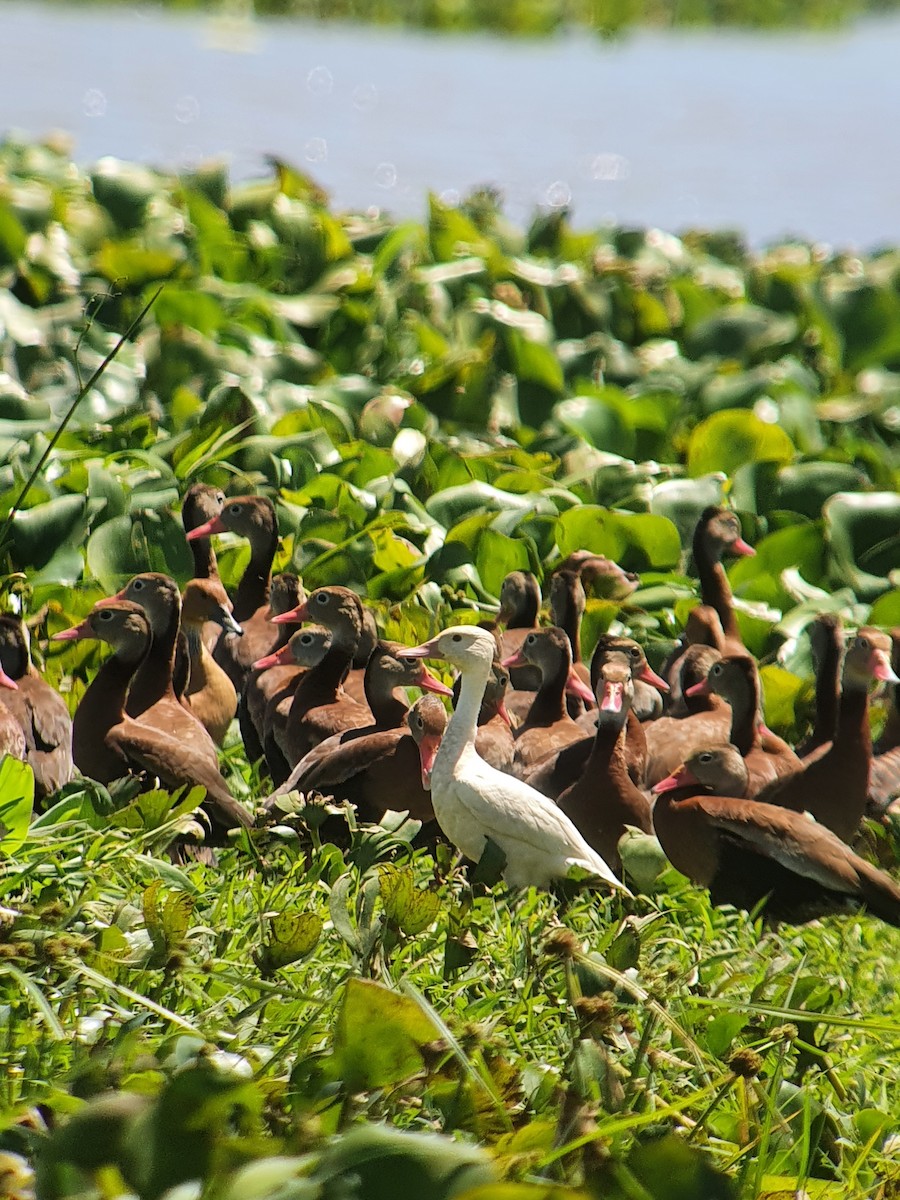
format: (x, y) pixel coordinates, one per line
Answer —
(599, 419)
(683, 501)
(804, 487)
(379, 1036)
(16, 803)
(145, 540)
(727, 440)
(13, 236)
(383, 1164)
(39, 532)
(886, 609)
(412, 909)
(798, 548)
(668, 1169)
(781, 692)
(636, 541)
(292, 935)
(863, 538)
(167, 918)
(743, 332)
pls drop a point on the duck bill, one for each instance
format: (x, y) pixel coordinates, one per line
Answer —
(70, 635)
(517, 659)
(681, 777)
(430, 683)
(699, 689)
(108, 600)
(7, 682)
(426, 650)
(882, 669)
(293, 617)
(503, 714)
(224, 618)
(214, 525)
(648, 675)
(428, 748)
(279, 658)
(742, 549)
(575, 686)
(613, 693)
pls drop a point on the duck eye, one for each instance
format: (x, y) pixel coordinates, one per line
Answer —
(137, 585)
(105, 614)
(234, 509)
(306, 639)
(716, 669)
(220, 498)
(457, 637)
(322, 598)
(635, 652)
(704, 758)
(863, 643)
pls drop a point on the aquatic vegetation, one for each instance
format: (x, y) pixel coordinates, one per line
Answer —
(430, 406)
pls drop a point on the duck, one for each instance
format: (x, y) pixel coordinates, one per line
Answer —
(109, 744)
(355, 681)
(648, 685)
(600, 576)
(750, 854)
(151, 697)
(209, 693)
(40, 711)
(548, 726)
(340, 765)
(718, 532)
(253, 518)
(721, 770)
(735, 677)
(320, 706)
(702, 628)
(494, 739)
(834, 788)
(378, 767)
(520, 602)
(605, 799)
(427, 724)
(260, 687)
(707, 719)
(826, 639)
(304, 649)
(473, 802)
(200, 505)
(12, 739)
(890, 734)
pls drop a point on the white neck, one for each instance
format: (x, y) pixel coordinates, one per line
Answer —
(460, 734)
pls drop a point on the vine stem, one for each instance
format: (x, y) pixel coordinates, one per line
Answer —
(70, 413)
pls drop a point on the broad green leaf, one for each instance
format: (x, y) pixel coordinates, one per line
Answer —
(16, 804)
(292, 935)
(379, 1035)
(636, 541)
(727, 440)
(863, 539)
(147, 540)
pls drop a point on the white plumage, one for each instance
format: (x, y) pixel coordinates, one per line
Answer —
(473, 801)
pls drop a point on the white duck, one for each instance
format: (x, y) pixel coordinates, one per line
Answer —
(473, 801)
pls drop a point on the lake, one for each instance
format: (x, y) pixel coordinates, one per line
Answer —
(773, 134)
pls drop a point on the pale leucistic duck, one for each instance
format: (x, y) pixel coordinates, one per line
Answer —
(718, 533)
(605, 799)
(494, 738)
(750, 853)
(253, 518)
(706, 723)
(473, 802)
(209, 693)
(354, 764)
(41, 712)
(735, 677)
(826, 638)
(151, 697)
(548, 726)
(835, 787)
(108, 744)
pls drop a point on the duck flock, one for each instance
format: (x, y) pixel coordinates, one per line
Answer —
(550, 759)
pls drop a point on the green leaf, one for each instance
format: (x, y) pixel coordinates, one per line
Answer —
(378, 1037)
(636, 541)
(863, 538)
(727, 440)
(292, 935)
(147, 540)
(16, 803)
(668, 1169)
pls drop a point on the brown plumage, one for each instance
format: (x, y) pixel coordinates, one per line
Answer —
(605, 798)
(253, 518)
(718, 533)
(835, 787)
(825, 634)
(151, 697)
(750, 853)
(520, 601)
(707, 719)
(40, 711)
(548, 726)
(735, 677)
(278, 683)
(209, 693)
(108, 744)
(202, 504)
(493, 735)
(890, 734)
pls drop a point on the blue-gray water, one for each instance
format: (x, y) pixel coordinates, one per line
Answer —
(772, 134)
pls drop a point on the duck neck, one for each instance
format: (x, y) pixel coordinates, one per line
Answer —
(103, 704)
(744, 716)
(153, 680)
(852, 728)
(549, 705)
(460, 734)
(827, 692)
(569, 621)
(321, 684)
(253, 590)
(205, 565)
(715, 590)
